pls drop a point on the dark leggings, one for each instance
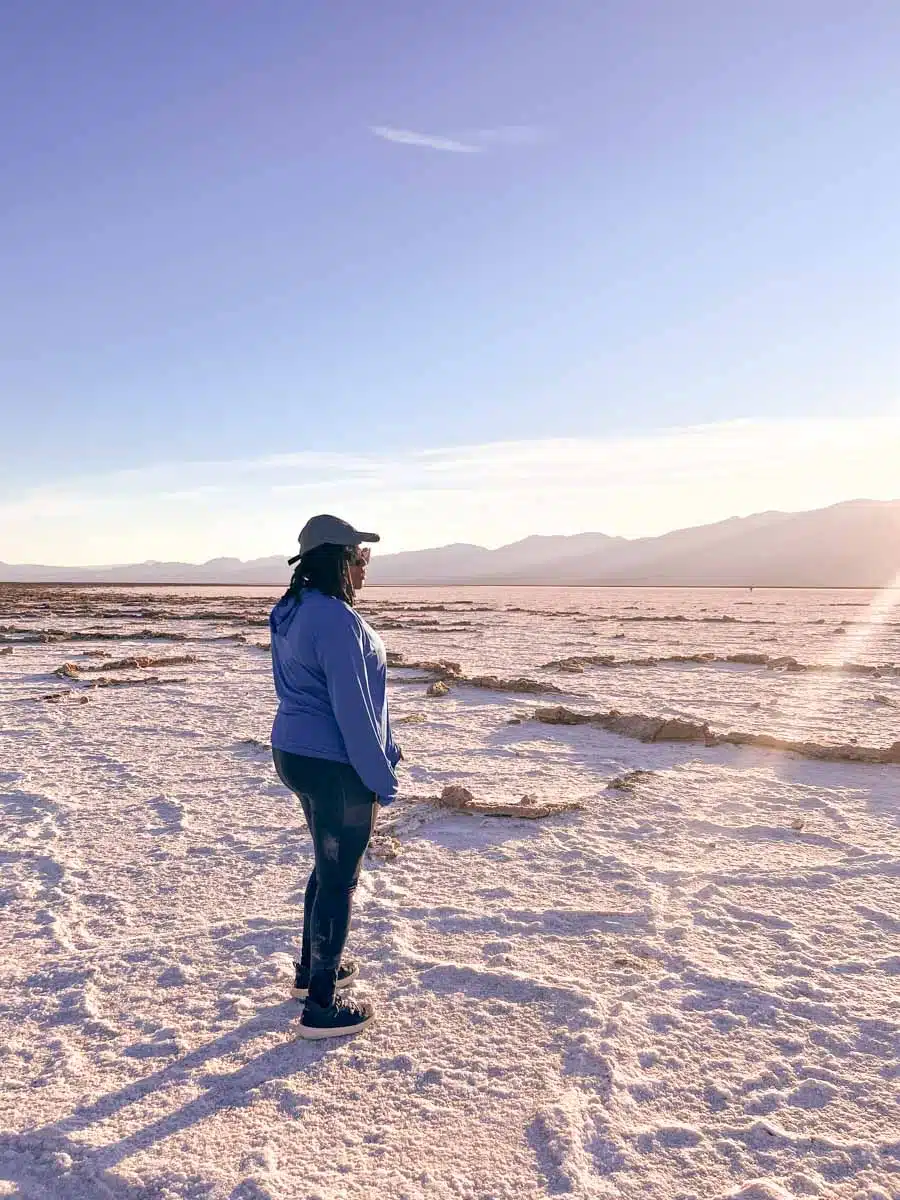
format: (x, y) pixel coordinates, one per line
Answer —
(340, 812)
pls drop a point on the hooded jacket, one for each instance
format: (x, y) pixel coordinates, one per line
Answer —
(330, 672)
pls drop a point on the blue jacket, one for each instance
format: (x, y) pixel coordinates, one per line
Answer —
(330, 673)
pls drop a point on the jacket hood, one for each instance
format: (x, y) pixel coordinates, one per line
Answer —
(283, 614)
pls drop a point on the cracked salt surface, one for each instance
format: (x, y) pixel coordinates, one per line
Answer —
(688, 988)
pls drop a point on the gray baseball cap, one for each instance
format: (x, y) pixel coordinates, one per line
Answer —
(325, 530)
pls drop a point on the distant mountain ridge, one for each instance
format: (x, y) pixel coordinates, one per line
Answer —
(853, 544)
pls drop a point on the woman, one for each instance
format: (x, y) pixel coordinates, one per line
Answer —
(332, 746)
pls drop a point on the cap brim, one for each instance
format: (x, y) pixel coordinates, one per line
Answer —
(358, 537)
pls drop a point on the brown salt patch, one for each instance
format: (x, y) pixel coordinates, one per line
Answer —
(50, 636)
(451, 672)
(444, 668)
(384, 846)
(521, 685)
(70, 670)
(675, 729)
(628, 781)
(149, 680)
(143, 661)
(577, 663)
(460, 799)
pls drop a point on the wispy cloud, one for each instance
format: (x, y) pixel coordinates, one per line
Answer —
(408, 137)
(643, 483)
(477, 141)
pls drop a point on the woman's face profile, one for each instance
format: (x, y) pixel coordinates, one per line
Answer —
(359, 563)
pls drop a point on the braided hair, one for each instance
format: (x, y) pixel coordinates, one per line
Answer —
(327, 569)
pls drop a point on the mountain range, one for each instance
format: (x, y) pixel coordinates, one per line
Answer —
(853, 544)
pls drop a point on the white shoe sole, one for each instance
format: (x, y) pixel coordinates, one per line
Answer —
(302, 993)
(310, 1034)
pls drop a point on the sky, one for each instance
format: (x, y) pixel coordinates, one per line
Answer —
(469, 271)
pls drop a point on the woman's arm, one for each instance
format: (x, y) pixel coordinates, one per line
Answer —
(342, 658)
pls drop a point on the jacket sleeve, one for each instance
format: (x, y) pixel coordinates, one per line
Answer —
(394, 753)
(342, 658)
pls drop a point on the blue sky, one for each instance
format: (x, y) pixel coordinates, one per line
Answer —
(348, 232)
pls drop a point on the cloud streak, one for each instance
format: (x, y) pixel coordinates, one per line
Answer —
(636, 484)
(476, 142)
(428, 141)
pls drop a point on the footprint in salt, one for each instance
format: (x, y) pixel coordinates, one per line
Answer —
(170, 814)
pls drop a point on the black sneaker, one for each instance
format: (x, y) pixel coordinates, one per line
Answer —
(344, 1017)
(347, 972)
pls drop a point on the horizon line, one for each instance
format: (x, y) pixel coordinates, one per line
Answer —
(121, 566)
(654, 587)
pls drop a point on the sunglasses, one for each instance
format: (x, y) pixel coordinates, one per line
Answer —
(359, 556)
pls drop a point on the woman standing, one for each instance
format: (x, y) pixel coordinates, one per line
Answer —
(332, 746)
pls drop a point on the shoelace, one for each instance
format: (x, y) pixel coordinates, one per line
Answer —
(348, 1005)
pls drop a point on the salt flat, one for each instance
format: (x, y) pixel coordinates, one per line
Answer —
(688, 989)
